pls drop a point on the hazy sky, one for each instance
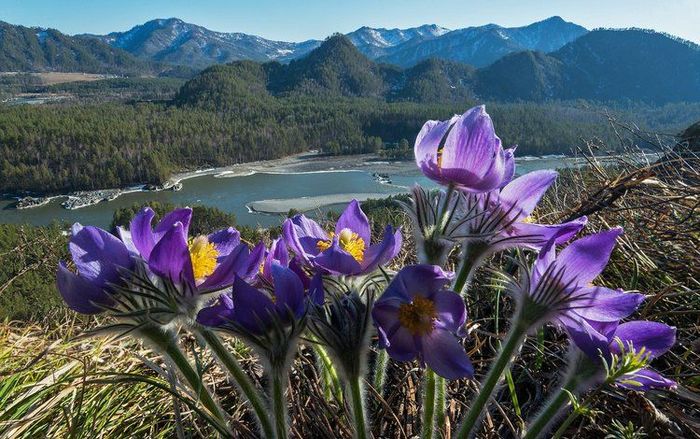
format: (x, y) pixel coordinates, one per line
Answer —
(301, 20)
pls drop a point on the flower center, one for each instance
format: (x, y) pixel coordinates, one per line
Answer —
(203, 255)
(348, 241)
(418, 316)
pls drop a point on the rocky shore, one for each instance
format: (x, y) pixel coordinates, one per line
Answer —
(79, 199)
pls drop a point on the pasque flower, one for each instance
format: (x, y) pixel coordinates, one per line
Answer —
(500, 219)
(98, 256)
(195, 265)
(417, 317)
(651, 339)
(347, 250)
(198, 264)
(560, 290)
(464, 151)
(254, 311)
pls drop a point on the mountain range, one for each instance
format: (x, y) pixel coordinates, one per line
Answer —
(602, 65)
(176, 42)
(25, 49)
(548, 60)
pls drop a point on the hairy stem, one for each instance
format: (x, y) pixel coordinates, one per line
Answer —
(357, 405)
(279, 402)
(428, 404)
(440, 402)
(166, 344)
(473, 254)
(229, 362)
(511, 345)
(380, 365)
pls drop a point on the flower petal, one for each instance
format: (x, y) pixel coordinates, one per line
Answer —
(240, 262)
(317, 292)
(217, 314)
(97, 254)
(472, 155)
(657, 338)
(422, 280)
(354, 219)
(277, 253)
(125, 236)
(225, 241)
(385, 251)
(605, 305)
(645, 379)
(142, 231)
(252, 308)
(509, 171)
(536, 236)
(80, 294)
(296, 267)
(585, 336)
(170, 257)
(451, 311)
(521, 195)
(402, 346)
(337, 261)
(166, 223)
(289, 291)
(585, 258)
(427, 144)
(445, 355)
(302, 235)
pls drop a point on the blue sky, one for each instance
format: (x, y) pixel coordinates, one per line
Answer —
(301, 20)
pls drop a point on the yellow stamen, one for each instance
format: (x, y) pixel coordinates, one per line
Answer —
(348, 241)
(439, 158)
(203, 255)
(418, 316)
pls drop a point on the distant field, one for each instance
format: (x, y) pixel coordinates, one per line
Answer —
(51, 78)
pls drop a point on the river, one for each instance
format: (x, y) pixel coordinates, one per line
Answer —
(277, 192)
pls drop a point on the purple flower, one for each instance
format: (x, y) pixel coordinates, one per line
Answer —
(464, 151)
(561, 291)
(276, 254)
(98, 256)
(346, 251)
(201, 264)
(655, 338)
(417, 317)
(499, 219)
(255, 311)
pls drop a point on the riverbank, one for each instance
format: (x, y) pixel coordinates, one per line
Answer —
(307, 162)
(299, 164)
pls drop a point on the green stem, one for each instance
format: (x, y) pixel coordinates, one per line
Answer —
(442, 222)
(241, 379)
(565, 425)
(428, 404)
(580, 371)
(511, 345)
(440, 388)
(166, 344)
(279, 402)
(381, 362)
(359, 416)
(472, 256)
(331, 380)
(555, 403)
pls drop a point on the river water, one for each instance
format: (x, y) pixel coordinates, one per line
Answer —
(234, 194)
